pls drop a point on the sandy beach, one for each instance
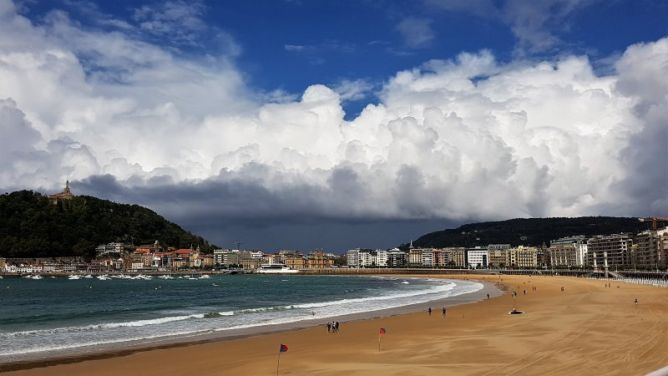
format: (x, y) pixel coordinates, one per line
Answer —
(586, 329)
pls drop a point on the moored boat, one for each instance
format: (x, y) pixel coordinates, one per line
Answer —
(276, 269)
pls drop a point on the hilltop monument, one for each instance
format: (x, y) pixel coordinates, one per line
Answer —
(65, 195)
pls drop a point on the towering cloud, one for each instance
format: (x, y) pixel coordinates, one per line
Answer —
(462, 138)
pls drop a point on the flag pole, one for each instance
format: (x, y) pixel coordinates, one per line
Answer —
(381, 333)
(278, 363)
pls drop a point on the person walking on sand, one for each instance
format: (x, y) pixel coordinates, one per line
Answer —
(329, 327)
(429, 310)
(336, 326)
(636, 301)
(488, 296)
(444, 311)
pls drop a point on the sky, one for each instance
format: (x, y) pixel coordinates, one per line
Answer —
(338, 124)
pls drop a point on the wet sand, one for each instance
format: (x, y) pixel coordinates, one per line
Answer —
(587, 329)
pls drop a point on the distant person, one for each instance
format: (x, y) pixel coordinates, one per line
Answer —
(329, 327)
(444, 311)
(525, 292)
(429, 310)
(488, 296)
(336, 327)
(636, 301)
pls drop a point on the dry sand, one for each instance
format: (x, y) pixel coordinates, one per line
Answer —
(586, 330)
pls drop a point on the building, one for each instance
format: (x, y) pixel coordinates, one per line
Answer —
(498, 255)
(397, 258)
(153, 247)
(523, 257)
(367, 258)
(651, 249)
(543, 256)
(206, 261)
(455, 257)
(115, 248)
(568, 252)
(141, 256)
(181, 258)
(381, 258)
(498, 258)
(250, 260)
(353, 258)
(295, 261)
(415, 257)
(226, 257)
(218, 256)
(604, 251)
(319, 260)
(427, 257)
(65, 195)
(440, 258)
(477, 257)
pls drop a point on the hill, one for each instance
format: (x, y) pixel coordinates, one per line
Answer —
(32, 226)
(528, 231)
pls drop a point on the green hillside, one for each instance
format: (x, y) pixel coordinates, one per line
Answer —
(31, 226)
(529, 231)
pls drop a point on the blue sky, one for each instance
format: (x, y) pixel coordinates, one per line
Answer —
(335, 124)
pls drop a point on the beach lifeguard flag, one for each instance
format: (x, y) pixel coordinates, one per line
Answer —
(282, 349)
(381, 333)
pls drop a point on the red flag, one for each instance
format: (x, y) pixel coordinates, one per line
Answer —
(284, 348)
(381, 332)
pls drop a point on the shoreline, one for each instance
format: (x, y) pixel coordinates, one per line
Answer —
(113, 350)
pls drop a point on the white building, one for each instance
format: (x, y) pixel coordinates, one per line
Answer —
(381, 258)
(477, 257)
(353, 258)
(366, 259)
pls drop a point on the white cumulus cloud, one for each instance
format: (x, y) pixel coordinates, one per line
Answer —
(463, 138)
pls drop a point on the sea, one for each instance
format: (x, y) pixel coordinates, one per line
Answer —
(60, 315)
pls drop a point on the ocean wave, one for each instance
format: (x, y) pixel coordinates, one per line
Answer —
(148, 329)
(432, 290)
(114, 325)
